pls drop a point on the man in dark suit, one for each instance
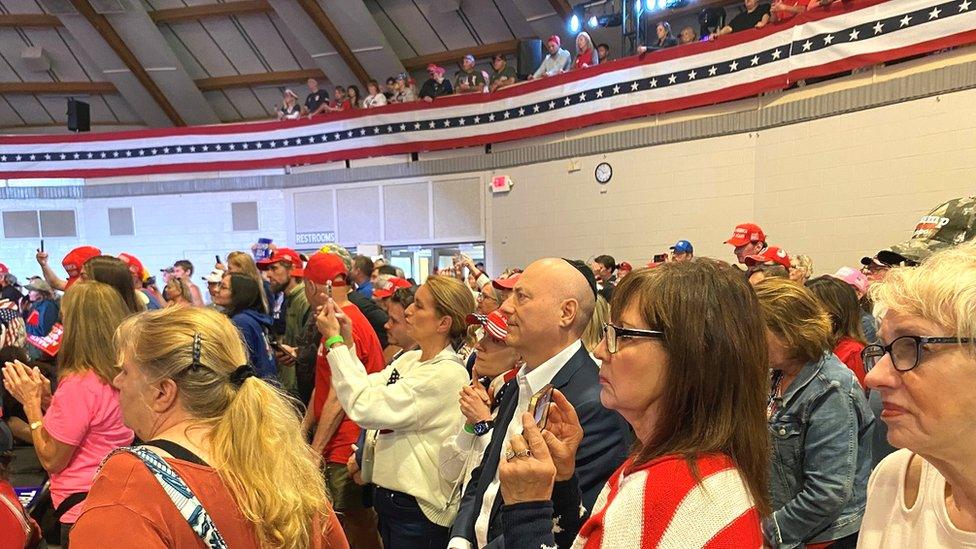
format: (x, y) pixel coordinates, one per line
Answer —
(548, 311)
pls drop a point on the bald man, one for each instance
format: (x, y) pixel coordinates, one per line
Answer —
(548, 311)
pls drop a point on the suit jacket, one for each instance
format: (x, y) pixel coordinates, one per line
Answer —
(605, 445)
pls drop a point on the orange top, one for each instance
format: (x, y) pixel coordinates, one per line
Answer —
(127, 502)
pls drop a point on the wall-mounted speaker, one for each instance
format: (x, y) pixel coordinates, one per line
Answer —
(79, 116)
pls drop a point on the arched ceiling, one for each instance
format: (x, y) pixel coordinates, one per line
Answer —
(157, 63)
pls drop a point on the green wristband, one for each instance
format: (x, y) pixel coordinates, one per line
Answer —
(469, 428)
(333, 340)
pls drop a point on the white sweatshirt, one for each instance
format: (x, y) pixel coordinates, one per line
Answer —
(415, 400)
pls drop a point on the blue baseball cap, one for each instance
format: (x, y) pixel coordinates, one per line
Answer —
(682, 247)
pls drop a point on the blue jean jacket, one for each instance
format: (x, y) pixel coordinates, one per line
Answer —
(821, 435)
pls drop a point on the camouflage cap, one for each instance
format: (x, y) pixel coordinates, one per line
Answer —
(339, 251)
(949, 224)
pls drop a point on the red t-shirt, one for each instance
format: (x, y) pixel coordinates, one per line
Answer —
(781, 16)
(849, 352)
(127, 503)
(370, 353)
(11, 527)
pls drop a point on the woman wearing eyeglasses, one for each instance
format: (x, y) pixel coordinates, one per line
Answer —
(925, 494)
(820, 424)
(699, 473)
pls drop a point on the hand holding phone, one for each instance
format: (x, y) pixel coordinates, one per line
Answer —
(539, 406)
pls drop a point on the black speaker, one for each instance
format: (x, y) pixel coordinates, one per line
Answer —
(79, 116)
(529, 57)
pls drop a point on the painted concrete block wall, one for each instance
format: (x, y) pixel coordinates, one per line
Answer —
(835, 189)
(167, 228)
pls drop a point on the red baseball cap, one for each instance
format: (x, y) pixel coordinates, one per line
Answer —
(76, 259)
(284, 254)
(555, 38)
(624, 266)
(506, 283)
(3, 269)
(744, 233)
(322, 267)
(495, 323)
(772, 254)
(135, 266)
(385, 288)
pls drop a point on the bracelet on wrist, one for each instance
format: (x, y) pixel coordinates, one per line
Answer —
(468, 428)
(333, 340)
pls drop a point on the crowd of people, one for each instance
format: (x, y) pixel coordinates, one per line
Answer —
(327, 400)
(403, 88)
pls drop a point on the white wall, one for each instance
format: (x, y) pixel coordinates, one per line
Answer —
(835, 189)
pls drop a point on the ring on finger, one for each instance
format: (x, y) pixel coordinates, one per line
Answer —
(524, 453)
(509, 455)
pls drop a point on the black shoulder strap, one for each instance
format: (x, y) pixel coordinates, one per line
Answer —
(68, 503)
(175, 450)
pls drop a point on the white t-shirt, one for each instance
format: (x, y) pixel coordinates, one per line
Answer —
(888, 522)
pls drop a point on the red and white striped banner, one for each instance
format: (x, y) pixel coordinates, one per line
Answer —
(846, 36)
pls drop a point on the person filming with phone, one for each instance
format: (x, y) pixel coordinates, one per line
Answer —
(550, 307)
(699, 472)
(412, 406)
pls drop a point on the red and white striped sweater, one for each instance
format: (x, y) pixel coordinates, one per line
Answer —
(662, 505)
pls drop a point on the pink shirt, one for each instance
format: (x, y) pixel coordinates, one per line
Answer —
(84, 413)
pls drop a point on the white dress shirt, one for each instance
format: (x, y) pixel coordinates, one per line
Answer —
(528, 384)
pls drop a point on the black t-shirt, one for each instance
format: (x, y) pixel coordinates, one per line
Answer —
(746, 20)
(314, 100)
(433, 89)
(507, 72)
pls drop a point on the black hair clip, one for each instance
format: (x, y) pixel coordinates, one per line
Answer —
(238, 376)
(197, 351)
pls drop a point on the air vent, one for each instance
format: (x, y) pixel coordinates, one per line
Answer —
(106, 7)
(244, 216)
(22, 224)
(35, 59)
(58, 223)
(58, 7)
(120, 222)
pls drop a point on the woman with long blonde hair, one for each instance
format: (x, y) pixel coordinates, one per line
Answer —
(81, 424)
(243, 262)
(412, 404)
(234, 441)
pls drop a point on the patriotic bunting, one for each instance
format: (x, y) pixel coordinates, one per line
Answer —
(820, 43)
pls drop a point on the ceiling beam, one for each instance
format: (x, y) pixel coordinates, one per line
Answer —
(562, 7)
(454, 56)
(114, 41)
(28, 20)
(57, 88)
(259, 79)
(331, 33)
(227, 9)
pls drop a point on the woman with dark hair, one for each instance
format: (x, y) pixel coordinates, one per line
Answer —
(840, 302)
(114, 272)
(820, 424)
(240, 296)
(695, 404)
(352, 95)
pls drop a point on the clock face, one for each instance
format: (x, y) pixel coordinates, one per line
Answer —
(603, 172)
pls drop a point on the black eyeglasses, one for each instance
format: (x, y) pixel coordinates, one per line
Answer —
(614, 333)
(905, 351)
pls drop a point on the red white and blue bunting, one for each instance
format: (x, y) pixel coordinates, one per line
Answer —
(847, 36)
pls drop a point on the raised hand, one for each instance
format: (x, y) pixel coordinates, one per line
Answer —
(526, 471)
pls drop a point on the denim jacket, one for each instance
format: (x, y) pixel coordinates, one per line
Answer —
(821, 437)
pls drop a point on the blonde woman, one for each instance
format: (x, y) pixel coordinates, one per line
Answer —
(594, 330)
(81, 424)
(586, 54)
(923, 495)
(243, 262)
(176, 293)
(801, 268)
(413, 405)
(233, 439)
